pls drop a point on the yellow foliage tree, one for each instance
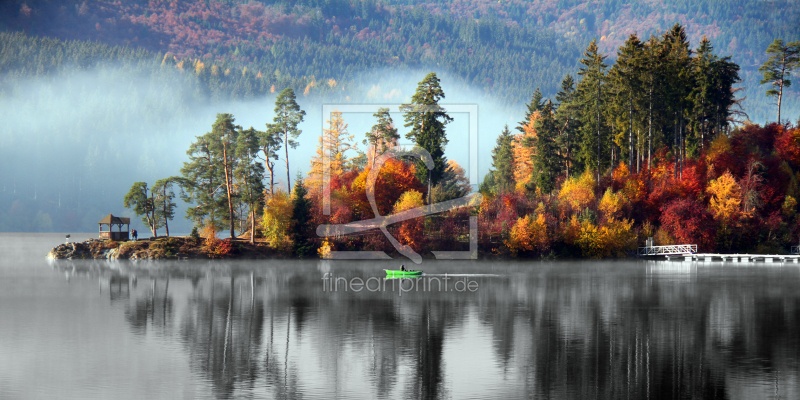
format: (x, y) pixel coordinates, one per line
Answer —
(613, 239)
(612, 203)
(579, 193)
(338, 141)
(529, 233)
(276, 221)
(411, 230)
(523, 152)
(324, 250)
(725, 197)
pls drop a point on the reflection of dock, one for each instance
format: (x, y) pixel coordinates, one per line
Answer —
(744, 258)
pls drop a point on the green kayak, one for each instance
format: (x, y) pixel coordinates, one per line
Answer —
(398, 273)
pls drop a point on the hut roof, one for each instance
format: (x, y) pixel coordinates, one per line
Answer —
(112, 220)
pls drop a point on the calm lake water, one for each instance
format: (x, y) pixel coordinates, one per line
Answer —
(275, 329)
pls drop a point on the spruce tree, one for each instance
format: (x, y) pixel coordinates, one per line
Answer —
(427, 120)
(625, 79)
(536, 104)
(546, 159)
(301, 218)
(678, 88)
(566, 116)
(503, 162)
(590, 99)
(383, 134)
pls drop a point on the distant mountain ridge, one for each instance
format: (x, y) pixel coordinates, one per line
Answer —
(507, 48)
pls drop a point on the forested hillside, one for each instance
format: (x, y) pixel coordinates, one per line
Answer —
(98, 94)
(506, 48)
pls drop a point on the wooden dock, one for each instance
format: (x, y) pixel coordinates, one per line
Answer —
(742, 258)
(688, 252)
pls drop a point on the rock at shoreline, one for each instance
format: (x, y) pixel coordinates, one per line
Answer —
(158, 249)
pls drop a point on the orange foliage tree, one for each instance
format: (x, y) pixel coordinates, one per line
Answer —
(411, 231)
(395, 178)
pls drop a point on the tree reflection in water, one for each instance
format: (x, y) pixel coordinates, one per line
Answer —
(552, 330)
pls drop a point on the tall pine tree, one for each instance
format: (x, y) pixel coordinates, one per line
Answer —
(590, 98)
(427, 120)
(546, 159)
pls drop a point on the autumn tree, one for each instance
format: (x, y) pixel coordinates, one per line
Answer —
(411, 231)
(427, 120)
(337, 141)
(783, 59)
(688, 222)
(277, 220)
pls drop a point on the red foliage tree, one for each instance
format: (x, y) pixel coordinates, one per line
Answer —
(689, 222)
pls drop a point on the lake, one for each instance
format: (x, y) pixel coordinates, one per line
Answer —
(92, 329)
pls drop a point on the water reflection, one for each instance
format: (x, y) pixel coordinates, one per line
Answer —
(550, 330)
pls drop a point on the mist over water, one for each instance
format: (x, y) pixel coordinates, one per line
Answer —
(72, 145)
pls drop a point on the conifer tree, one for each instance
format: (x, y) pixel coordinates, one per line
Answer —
(269, 144)
(678, 87)
(566, 117)
(590, 100)
(536, 104)
(337, 141)
(783, 59)
(301, 218)
(223, 140)
(249, 175)
(141, 200)
(546, 160)
(503, 162)
(288, 116)
(163, 200)
(625, 78)
(427, 120)
(382, 136)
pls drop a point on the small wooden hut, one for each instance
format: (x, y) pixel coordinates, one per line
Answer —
(112, 221)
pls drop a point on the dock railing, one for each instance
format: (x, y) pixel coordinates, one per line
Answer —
(668, 250)
(795, 249)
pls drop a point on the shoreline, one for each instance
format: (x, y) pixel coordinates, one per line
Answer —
(161, 248)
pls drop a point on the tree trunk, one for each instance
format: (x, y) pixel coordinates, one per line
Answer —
(252, 226)
(227, 166)
(675, 150)
(630, 134)
(286, 151)
(166, 219)
(598, 130)
(650, 131)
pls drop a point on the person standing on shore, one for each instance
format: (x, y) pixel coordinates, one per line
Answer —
(134, 234)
